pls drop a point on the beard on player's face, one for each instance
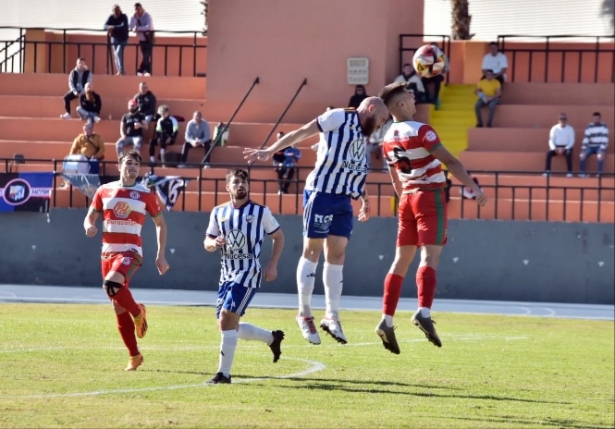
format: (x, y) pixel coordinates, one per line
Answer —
(369, 125)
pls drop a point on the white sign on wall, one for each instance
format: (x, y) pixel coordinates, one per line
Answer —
(358, 71)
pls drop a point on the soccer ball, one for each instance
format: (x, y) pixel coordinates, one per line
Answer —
(428, 61)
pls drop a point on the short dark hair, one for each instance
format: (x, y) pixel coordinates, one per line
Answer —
(391, 90)
(138, 5)
(488, 71)
(493, 44)
(133, 154)
(237, 172)
(80, 59)
(597, 114)
(407, 65)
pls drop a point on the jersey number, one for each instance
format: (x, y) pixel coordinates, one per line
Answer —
(401, 161)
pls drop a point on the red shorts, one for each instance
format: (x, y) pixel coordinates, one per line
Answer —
(124, 263)
(422, 219)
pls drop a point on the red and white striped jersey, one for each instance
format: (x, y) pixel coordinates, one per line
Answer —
(123, 212)
(408, 146)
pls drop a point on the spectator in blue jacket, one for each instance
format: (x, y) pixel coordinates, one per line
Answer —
(117, 29)
(285, 174)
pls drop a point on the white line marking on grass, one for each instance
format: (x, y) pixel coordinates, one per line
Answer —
(315, 367)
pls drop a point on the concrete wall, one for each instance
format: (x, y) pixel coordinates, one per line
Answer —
(491, 260)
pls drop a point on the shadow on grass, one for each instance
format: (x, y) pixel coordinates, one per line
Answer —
(318, 385)
(543, 422)
(378, 383)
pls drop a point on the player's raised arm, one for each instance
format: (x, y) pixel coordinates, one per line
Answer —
(300, 134)
(456, 168)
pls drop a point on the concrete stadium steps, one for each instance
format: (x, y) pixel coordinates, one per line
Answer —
(536, 210)
(545, 116)
(555, 94)
(29, 106)
(525, 161)
(24, 129)
(123, 87)
(454, 118)
(516, 140)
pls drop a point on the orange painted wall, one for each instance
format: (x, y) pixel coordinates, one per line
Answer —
(285, 41)
(50, 58)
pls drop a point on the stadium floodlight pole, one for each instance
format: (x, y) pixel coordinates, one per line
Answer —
(228, 123)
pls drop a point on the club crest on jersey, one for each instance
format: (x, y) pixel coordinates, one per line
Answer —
(431, 136)
(126, 260)
(235, 239)
(249, 218)
(122, 209)
(357, 150)
(135, 195)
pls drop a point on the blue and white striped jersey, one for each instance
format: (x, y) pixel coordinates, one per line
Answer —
(341, 163)
(244, 228)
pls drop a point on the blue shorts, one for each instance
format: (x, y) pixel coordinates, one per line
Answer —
(234, 297)
(326, 214)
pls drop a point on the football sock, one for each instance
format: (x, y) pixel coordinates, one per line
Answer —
(124, 299)
(227, 351)
(332, 277)
(127, 331)
(249, 332)
(392, 292)
(306, 276)
(426, 284)
(388, 320)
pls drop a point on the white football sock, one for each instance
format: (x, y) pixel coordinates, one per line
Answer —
(333, 278)
(250, 332)
(152, 158)
(388, 320)
(425, 312)
(227, 351)
(306, 277)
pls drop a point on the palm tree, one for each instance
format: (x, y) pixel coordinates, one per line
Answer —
(461, 20)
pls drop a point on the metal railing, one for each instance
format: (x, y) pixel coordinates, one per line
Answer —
(597, 55)
(221, 132)
(290, 103)
(507, 201)
(409, 43)
(95, 50)
(12, 52)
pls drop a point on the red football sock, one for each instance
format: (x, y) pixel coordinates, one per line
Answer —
(127, 330)
(426, 284)
(392, 292)
(124, 299)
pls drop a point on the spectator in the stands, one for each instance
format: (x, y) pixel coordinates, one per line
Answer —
(142, 24)
(561, 142)
(359, 95)
(90, 145)
(374, 147)
(285, 162)
(89, 104)
(131, 128)
(489, 91)
(595, 142)
(496, 62)
(197, 135)
(117, 29)
(146, 102)
(166, 133)
(433, 96)
(414, 84)
(77, 79)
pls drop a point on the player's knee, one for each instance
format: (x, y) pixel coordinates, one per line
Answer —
(111, 287)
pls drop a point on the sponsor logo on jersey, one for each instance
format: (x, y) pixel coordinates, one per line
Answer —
(122, 209)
